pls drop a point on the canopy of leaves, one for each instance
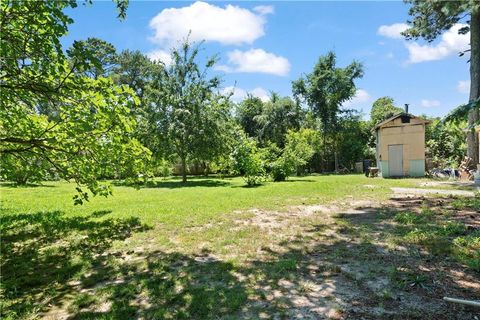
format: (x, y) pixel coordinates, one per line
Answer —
(382, 109)
(445, 142)
(431, 18)
(51, 113)
(327, 87)
(246, 112)
(460, 113)
(188, 119)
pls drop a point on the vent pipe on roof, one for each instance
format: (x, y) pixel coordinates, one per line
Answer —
(406, 107)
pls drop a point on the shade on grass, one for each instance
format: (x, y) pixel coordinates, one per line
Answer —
(196, 202)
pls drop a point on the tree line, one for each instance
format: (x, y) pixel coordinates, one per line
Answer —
(90, 113)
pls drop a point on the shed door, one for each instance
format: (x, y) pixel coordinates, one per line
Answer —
(395, 160)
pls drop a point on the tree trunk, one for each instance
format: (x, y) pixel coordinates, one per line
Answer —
(473, 116)
(184, 170)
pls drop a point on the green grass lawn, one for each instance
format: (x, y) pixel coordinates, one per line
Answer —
(168, 250)
(199, 200)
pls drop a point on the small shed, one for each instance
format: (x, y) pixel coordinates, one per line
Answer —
(401, 146)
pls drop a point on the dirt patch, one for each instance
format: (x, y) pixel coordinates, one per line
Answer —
(351, 271)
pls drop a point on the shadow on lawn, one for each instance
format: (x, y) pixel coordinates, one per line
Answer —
(178, 184)
(27, 185)
(41, 252)
(317, 274)
(313, 276)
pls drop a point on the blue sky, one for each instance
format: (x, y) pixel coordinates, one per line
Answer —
(263, 46)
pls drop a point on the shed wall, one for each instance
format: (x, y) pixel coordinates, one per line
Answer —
(412, 137)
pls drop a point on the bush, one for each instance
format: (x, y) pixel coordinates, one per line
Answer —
(298, 150)
(280, 170)
(247, 160)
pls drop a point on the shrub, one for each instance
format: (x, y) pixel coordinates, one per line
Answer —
(247, 160)
(298, 150)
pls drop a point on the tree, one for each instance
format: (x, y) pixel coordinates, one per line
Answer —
(383, 109)
(325, 89)
(185, 113)
(135, 70)
(277, 117)
(98, 56)
(430, 19)
(353, 137)
(445, 142)
(90, 124)
(247, 111)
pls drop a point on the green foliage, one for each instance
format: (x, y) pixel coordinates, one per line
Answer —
(23, 170)
(162, 168)
(431, 18)
(445, 142)
(460, 113)
(352, 138)
(50, 112)
(299, 149)
(246, 113)
(327, 87)
(135, 70)
(382, 109)
(97, 57)
(279, 115)
(184, 112)
(247, 160)
(324, 90)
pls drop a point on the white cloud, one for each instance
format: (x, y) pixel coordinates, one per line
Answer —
(463, 86)
(229, 25)
(392, 31)
(451, 43)
(429, 103)
(260, 93)
(239, 94)
(256, 60)
(264, 9)
(360, 98)
(160, 55)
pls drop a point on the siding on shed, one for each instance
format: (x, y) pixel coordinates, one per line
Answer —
(412, 136)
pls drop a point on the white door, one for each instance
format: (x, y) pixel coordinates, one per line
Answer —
(395, 160)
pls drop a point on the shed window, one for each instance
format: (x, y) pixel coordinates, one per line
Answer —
(405, 119)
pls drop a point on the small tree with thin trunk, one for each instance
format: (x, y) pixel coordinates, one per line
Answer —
(183, 107)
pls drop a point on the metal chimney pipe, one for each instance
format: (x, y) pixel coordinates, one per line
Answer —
(406, 107)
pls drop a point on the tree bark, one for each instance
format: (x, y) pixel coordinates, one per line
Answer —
(473, 115)
(184, 170)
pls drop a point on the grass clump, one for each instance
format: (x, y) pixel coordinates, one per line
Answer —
(467, 203)
(440, 235)
(467, 250)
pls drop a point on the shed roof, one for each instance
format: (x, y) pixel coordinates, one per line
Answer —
(398, 116)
